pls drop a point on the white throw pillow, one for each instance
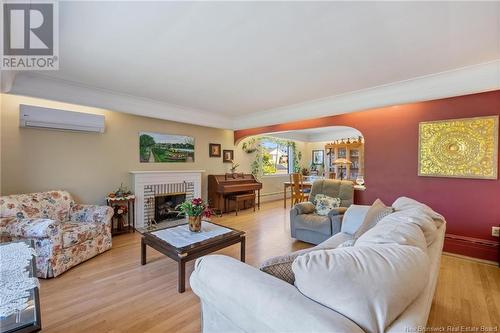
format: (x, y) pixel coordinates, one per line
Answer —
(371, 286)
(324, 204)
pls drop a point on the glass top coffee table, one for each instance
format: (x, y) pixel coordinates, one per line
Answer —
(182, 245)
(20, 306)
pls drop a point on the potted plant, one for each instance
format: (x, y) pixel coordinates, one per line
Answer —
(234, 166)
(195, 209)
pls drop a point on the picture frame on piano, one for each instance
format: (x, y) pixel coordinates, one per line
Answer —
(214, 150)
(227, 156)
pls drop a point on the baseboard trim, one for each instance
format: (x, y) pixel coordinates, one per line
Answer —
(479, 241)
(272, 196)
(481, 261)
(483, 249)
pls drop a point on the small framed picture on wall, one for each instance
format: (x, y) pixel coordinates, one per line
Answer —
(318, 157)
(214, 150)
(227, 156)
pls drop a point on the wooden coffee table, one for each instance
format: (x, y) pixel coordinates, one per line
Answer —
(181, 245)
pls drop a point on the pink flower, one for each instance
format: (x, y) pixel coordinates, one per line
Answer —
(197, 201)
(207, 213)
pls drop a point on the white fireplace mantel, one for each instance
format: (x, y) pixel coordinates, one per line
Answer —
(145, 179)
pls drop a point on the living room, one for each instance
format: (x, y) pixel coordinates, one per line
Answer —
(217, 167)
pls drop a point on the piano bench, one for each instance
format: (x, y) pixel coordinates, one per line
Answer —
(243, 198)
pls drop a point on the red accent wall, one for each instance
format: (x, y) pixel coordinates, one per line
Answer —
(471, 206)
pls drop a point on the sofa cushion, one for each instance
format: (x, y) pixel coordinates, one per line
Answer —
(377, 212)
(404, 203)
(314, 222)
(281, 266)
(417, 217)
(34, 228)
(5, 223)
(347, 243)
(334, 241)
(334, 188)
(305, 207)
(76, 233)
(365, 297)
(324, 204)
(54, 205)
(353, 217)
(393, 232)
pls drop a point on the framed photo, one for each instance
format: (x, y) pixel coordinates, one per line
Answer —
(165, 148)
(318, 157)
(227, 156)
(214, 150)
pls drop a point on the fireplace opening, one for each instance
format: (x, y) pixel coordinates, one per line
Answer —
(166, 206)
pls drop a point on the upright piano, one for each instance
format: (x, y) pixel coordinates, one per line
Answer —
(222, 186)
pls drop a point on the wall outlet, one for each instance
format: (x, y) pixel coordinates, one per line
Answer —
(495, 231)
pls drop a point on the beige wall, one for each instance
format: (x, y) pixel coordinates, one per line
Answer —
(90, 165)
(310, 146)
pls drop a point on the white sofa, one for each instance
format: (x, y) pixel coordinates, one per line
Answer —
(236, 297)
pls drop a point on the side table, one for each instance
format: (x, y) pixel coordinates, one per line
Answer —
(117, 225)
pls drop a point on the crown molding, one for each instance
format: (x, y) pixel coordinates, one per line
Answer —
(336, 133)
(462, 81)
(41, 86)
(342, 134)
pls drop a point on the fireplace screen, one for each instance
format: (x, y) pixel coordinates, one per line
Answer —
(166, 206)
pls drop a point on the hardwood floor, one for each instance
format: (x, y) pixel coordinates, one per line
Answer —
(114, 293)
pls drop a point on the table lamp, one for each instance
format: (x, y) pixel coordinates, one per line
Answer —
(341, 163)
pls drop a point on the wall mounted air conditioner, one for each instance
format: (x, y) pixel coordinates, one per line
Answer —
(37, 117)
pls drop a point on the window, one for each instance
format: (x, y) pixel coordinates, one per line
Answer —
(276, 156)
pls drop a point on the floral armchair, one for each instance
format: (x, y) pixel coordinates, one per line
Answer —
(65, 234)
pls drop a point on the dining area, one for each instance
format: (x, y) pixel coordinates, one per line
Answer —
(298, 188)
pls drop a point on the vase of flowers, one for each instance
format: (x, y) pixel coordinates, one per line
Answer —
(119, 212)
(195, 209)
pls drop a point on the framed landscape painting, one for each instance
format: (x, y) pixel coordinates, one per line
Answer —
(165, 148)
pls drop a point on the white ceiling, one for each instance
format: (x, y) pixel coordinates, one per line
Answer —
(235, 64)
(321, 134)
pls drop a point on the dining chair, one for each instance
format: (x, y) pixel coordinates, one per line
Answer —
(297, 185)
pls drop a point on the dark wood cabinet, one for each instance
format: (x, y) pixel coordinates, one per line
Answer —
(220, 187)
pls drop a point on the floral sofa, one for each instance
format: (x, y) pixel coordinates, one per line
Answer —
(65, 233)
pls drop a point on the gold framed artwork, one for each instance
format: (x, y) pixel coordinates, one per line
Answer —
(460, 148)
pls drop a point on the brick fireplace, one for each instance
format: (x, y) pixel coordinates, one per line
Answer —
(160, 191)
(165, 206)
